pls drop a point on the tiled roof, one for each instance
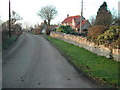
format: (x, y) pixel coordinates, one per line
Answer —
(83, 22)
(69, 19)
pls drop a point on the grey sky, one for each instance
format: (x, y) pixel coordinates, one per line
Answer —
(28, 8)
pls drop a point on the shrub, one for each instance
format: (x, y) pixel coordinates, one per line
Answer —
(116, 44)
(111, 36)
(65, 29)
(96, 31)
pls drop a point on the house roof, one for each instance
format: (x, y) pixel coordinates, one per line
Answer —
(83, 22)
(69, 19)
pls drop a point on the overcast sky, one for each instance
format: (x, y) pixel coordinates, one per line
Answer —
(28, 8)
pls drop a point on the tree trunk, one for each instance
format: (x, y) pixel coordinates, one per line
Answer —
(48, 28)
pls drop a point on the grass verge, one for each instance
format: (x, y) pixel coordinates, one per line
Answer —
(8, 42)
(104, 71)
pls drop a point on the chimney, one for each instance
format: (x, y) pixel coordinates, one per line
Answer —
(67, 15)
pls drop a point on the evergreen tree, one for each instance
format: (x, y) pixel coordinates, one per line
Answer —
(104, 17)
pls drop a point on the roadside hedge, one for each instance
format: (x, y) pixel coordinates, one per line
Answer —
(65, 29)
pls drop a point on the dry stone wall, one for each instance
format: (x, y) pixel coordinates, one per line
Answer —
(84, 43)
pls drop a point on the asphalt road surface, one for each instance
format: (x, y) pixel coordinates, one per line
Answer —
(0, 57)
(34, 63)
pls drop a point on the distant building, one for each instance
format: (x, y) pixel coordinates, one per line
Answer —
(54, 27)
(74, 22)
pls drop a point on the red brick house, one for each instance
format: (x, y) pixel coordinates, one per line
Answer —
(74, 22)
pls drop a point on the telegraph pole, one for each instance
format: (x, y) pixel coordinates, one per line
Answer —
(119, 9)
(81, 16)
(9, 18)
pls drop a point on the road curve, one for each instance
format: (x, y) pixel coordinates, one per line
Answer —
(35, 63)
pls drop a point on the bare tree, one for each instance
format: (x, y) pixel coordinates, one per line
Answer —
(114, 13)
(15, 17)
(17, 27)
(5, 25)
(92, 20)
(48, 13)
(116, 19)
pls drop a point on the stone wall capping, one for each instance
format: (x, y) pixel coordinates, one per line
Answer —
(88, 45)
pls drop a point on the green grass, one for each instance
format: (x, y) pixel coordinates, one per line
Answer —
(98, 67)
(8, 42)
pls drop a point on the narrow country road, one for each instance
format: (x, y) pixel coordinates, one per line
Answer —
(34, 63)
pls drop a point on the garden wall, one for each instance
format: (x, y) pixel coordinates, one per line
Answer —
(83, 42)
